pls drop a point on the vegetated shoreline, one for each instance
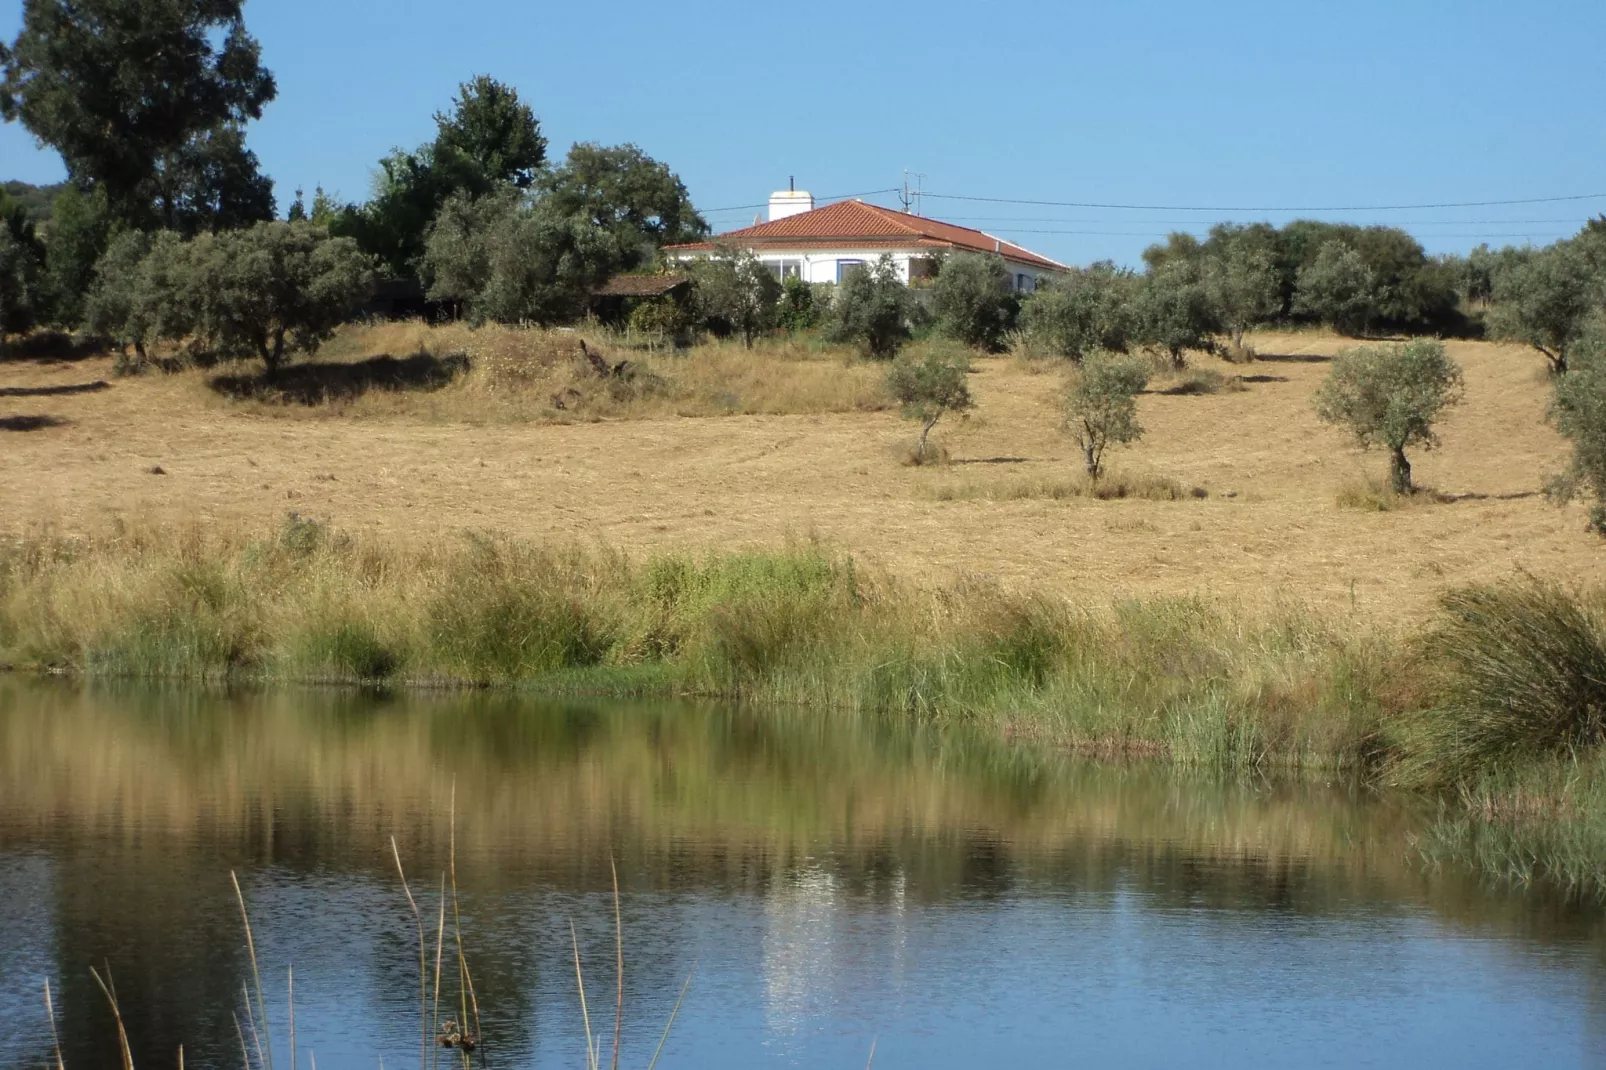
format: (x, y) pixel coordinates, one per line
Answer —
(1509, 742)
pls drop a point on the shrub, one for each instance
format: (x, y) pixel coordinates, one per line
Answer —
(1390, 396)
(1338, 289)
(930, 386)
(1101, 406)
(1517, 670)
(872, 309)
(975, 301)
(1083, 311)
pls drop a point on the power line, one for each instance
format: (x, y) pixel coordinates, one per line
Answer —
(827, 197)
(1155, 233)
(1195, 208)
(1571, 220)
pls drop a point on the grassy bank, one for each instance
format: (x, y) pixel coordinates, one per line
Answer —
(1186, 678)
(1497, 706)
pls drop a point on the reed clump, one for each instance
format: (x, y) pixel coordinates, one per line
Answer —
(1517, 672)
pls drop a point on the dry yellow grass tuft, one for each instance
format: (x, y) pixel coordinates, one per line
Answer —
(420, 465)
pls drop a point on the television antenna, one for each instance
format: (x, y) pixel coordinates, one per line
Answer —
(912, 196)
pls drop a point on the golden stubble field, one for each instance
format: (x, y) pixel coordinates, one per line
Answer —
(75, 459)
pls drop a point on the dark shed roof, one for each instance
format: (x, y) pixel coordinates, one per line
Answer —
(641, 285)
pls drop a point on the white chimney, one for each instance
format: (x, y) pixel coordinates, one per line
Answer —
(790, 201)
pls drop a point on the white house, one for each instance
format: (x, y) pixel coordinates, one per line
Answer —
(823, 244)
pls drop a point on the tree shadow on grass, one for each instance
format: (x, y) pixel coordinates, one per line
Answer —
(989, 460)
(1263, 378)
(29, 423)
(48, 347)
(315, 383)
(53, 391)
(1294, 358)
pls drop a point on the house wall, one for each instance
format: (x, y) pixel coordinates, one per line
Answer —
(821, 265)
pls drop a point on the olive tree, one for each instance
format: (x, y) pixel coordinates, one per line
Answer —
(975, 301)
(1082, 311)
(1390, 396)
(1101, 408)
(739, 294)
(929, 386)
(1242, 287)
(1578, 411)
(872, 310)
(274, 286)
(1174, 312)
(1338, 289)
(1545, 300)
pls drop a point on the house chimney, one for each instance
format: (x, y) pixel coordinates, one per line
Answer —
(790, 201)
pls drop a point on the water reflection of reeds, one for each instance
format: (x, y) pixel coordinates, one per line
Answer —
(145, 798)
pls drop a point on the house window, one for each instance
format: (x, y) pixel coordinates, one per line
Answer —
(922, 269)
(844, 268)
(785, 269)
(1023, 282)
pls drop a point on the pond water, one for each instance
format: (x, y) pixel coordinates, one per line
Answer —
(832, 883)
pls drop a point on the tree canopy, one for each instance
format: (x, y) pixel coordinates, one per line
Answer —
(638, 201)
(144, 99)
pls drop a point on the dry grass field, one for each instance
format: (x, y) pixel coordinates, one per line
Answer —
(732, 450)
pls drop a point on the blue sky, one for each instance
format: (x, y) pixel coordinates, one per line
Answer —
(1293, 104)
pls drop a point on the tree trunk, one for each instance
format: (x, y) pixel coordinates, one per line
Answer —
(272, 355)
(1400, 472)
(925, 432)
(1178, 361)
(1094, 461)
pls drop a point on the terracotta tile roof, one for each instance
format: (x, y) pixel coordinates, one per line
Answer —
(640, 285)
(856, 224)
